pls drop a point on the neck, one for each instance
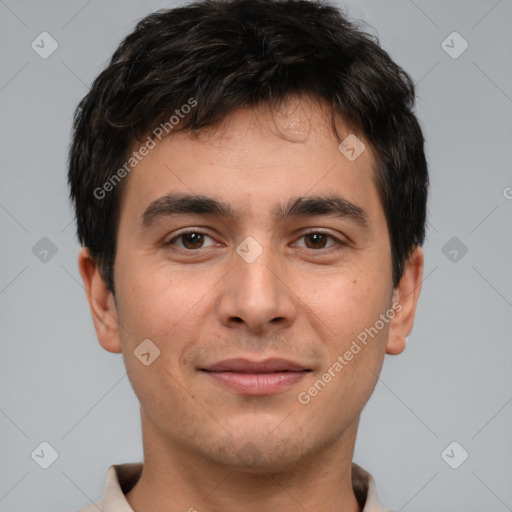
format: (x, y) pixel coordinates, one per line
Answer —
(178, 480)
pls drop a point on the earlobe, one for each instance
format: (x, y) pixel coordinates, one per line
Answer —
(406, 295)
(101, 303)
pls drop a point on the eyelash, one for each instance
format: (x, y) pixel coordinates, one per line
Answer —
(338, 242)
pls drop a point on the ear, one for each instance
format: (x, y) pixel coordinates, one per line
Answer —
(405, 296)
(101, 303)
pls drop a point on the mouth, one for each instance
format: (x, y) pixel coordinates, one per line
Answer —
(256, 378)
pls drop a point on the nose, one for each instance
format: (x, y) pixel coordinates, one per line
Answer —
(257, 295)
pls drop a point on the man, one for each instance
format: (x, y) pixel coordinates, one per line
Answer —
(250, 189)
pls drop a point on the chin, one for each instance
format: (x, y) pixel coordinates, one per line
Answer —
(259, 453)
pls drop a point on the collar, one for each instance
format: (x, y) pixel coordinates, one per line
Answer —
(122, 477)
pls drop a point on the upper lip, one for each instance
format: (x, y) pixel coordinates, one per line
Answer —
(241, 365)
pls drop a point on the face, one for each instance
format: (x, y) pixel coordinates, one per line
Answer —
(256, 243)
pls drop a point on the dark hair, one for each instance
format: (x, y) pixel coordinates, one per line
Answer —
(228, 54)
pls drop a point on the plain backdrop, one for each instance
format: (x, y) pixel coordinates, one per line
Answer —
(452, 384)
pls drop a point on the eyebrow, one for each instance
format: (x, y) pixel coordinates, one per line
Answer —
(305, 206)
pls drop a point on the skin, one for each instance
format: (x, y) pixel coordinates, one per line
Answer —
(301, 299)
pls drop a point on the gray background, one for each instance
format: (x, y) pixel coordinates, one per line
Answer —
(452, 383)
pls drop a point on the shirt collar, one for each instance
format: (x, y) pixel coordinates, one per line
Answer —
(122, 477)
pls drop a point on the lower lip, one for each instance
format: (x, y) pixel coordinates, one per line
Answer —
(257, 383)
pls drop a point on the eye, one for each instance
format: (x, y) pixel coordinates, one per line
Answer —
(191, 240)
(318, 240)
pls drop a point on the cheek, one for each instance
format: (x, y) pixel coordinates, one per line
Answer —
(157, 300)
(347, 303)
(158, 304)
(354, 337)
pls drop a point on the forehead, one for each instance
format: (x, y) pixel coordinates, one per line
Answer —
(255, 157)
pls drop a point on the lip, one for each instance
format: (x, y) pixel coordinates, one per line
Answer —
(256, 377)
(241, 365)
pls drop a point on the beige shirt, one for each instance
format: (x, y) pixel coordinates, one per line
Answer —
(122, 477)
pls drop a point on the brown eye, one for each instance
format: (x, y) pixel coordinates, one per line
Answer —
(191, 240)
(316, 240)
